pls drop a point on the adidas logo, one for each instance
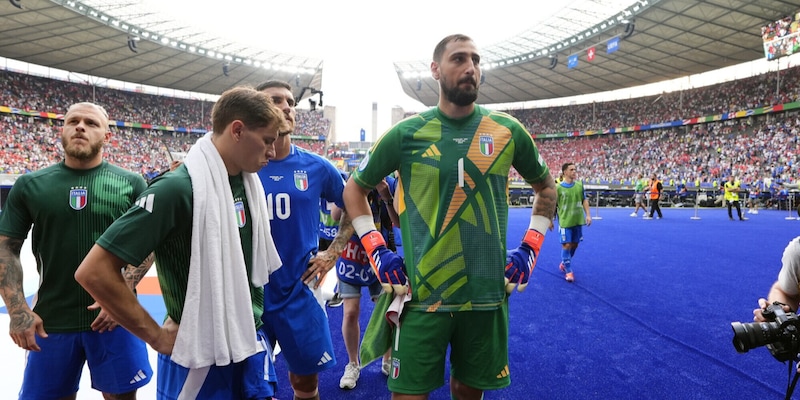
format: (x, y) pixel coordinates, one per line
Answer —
(432, 151)
(325, 358)
(139, 376)
(276, 178)
(146, 202)
(503, 373)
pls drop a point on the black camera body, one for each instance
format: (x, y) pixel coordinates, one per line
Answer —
(780, 333)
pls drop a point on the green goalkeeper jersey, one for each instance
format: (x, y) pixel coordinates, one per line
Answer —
(68, 209)
(452, 194)
(161, 220)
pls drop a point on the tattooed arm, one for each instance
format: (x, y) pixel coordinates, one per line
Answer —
(132, 275)
(25, 324)
(325, 260)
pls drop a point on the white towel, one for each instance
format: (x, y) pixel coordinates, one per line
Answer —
(396, 309)
(217, 325)
(393, 315)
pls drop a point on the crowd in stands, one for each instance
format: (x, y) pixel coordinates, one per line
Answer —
(752, 148)
(743, 94)
(34, 93)
(311, 124)
(701, 155)
(29, 144)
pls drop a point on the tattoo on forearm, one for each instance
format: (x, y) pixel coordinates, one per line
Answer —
(343, 235)
(134, 274)
(11, 275)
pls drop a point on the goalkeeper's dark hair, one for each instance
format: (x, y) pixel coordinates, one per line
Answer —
(438, 51)
(255, 109)
(273, 84)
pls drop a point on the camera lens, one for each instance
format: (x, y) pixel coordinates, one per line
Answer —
(754, 334)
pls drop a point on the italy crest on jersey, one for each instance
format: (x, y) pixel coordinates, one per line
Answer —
(301, 180)
(241, 218)
(486, 143)
(395, 368)
(78, 198)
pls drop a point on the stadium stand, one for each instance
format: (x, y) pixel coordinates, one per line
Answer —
(611, 141)
(144, 125)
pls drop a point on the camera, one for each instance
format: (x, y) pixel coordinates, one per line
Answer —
(780, 333)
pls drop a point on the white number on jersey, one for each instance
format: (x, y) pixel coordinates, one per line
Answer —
(279, 206)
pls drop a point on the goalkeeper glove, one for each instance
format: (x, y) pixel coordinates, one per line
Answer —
(522, 260)
(388, 266)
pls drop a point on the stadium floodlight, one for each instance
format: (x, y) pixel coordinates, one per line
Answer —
(132, 43)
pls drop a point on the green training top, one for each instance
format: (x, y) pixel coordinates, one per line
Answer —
(161, 220)
(69, 209)
(453, 201)
(570, 204)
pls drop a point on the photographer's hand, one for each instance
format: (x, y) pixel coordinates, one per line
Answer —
(758, 315)
(776, 293)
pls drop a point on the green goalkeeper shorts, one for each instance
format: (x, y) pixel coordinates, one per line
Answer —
(478, 342)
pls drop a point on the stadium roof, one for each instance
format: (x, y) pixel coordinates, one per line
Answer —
(92, 37)
(667, 39)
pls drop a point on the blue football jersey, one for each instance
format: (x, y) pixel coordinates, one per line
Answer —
(293, 188)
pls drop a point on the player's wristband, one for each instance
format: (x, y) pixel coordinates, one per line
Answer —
(363, 224)
(370, 237)
(539, 223)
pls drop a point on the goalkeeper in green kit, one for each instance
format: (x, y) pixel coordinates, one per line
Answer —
(453, 163)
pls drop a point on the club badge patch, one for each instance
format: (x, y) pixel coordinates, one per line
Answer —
(486, 143)
(301, 180)
(395, 368)
(363, 163)
(78, 198)
(241, 217)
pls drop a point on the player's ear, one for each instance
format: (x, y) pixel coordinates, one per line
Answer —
(435, 70)
(236, 129)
